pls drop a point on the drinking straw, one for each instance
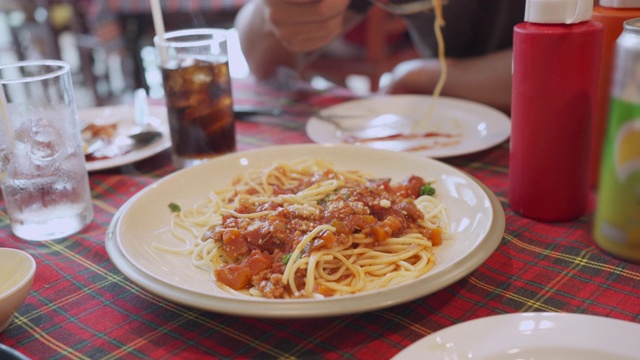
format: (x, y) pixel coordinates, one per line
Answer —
(158, 24)
(4, 116)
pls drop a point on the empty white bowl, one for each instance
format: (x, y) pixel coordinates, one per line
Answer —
(17, 269)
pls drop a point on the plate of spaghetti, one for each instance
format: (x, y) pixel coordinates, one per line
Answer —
(305, 231)
(424, 125)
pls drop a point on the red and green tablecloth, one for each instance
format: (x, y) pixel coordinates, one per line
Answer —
(82, 307)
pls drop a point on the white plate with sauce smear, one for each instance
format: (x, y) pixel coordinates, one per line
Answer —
(537, 335)
(123, 117)
(476, 218)
(455, 127)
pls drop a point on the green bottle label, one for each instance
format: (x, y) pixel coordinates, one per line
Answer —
(617, 221)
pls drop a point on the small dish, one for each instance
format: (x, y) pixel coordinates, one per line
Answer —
(122, 116)
(7, 353)
(16, 277)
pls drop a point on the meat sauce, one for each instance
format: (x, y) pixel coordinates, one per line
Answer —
(259, 247)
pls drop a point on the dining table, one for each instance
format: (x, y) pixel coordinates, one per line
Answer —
(82, 306)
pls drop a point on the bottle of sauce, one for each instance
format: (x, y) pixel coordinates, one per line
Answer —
(556, 63)
(611, 14)
(617, 220)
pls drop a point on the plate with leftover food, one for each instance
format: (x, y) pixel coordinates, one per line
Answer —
(421, 124)
(106, 133)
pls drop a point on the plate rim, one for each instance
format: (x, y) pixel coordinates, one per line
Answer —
(136, 155)
(428, 346)
(501, 117)
(274, 308)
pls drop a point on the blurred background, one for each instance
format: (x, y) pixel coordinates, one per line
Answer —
(109, 44)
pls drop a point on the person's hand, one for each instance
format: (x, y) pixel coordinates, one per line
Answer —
(275, 33)
(305, 25)
(485, 79)
(418, 76)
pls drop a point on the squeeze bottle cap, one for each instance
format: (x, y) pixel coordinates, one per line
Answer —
(558, 11)
(620, 3)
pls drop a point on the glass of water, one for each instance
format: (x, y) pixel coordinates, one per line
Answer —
(44, 180)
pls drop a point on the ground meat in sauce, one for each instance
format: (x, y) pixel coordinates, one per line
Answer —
(351, 209)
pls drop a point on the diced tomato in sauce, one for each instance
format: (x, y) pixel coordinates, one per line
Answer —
(436, 237)
(234, 276)
(322, 289)
(233, 243)
(259, 261)
(385, 230)
(328, 239)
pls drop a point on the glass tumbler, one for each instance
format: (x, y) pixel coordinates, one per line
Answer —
(197, 87)
(43, 176)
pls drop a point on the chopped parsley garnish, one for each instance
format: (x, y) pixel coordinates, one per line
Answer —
(325, 200)
(174, 207)
(287, 257)
(427, 190)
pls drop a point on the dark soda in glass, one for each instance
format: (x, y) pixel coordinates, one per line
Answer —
(199, 106)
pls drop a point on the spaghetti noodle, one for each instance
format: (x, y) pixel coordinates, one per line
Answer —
(438, 23)
(304, 229)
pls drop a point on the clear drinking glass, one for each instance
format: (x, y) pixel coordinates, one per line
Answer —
(197, 86)
(44, 180)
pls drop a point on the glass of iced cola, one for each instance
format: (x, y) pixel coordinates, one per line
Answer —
(197, 86)
(44, 180)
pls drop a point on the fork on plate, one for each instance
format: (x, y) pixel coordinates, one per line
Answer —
(365, 126)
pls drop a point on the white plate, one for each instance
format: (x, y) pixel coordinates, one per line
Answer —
(476, 217)
(473, 126)
(123, 115)
(534, 336)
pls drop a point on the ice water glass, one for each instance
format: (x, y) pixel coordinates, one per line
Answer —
(44, 180)
(197, 86)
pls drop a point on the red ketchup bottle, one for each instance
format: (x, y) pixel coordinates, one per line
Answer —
(611, 14)
(556, 63)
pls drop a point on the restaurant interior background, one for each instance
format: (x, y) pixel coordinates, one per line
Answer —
(66, 29)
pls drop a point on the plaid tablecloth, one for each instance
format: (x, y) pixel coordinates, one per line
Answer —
(82, 307)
